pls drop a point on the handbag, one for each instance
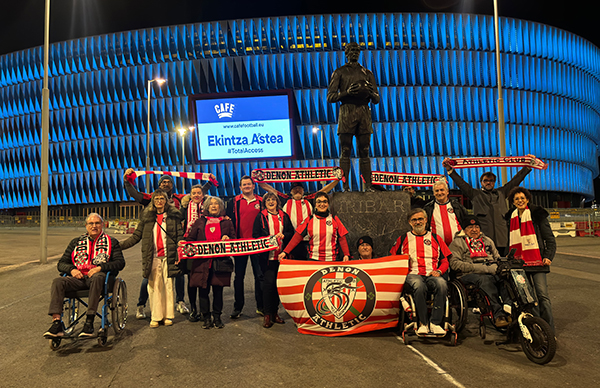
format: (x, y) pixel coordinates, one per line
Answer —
(223, 264)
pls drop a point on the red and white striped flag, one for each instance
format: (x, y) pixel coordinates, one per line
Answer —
(342, 298)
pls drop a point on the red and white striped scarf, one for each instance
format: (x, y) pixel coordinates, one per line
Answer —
(194, 211)
(275, 224)
(444, 222)
(89, 254)
(502, 161)
(187, 175)
(523, 238)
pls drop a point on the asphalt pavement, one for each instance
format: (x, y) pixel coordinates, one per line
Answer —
(244, 354)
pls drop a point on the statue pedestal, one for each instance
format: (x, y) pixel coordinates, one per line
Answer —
(379, 214)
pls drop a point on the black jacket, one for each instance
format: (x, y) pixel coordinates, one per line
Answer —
(115, 263)
(145, 232)
(543, 233)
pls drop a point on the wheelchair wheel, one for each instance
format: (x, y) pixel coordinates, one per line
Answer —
(102, 337)
(70, 314)
(457, 298)
(543, 346)
(54, 343)
(119, 306)
(482, 330)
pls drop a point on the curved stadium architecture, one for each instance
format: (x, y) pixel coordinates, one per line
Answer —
(436, 76)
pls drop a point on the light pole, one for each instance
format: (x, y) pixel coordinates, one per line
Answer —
(501, 124)
(45, 144)
(160, 81)
(315, 130)
(182, 132)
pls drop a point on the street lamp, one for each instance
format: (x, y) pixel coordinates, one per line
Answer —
(501, 124)
(45, 143)
(182, 132)
(315, 130)
(160, 81)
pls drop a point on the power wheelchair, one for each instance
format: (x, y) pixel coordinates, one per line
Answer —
(455, 315)
(114, 298)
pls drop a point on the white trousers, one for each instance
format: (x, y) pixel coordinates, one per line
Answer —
(160, 291)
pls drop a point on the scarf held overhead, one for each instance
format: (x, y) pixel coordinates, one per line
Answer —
(402, 179)
(523, 238)
(306, 174)
(188, 175)
(506, 161)
(240, 247)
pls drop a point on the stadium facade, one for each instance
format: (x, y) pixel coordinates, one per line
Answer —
(436, 76)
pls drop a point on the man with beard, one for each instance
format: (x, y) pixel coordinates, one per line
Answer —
(428, 262)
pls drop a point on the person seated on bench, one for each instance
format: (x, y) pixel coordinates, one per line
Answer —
(85, 262)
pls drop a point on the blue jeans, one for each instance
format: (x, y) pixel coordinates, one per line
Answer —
(540, 285)
(420, 285)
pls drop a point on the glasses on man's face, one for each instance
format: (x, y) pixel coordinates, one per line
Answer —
(94, 223)
(321, 202)
(489, 181)
(417, 219)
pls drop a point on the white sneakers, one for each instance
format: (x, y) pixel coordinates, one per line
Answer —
(434, 329)
(437, 329)
(182, 308)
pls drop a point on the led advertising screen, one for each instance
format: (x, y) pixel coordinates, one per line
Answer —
(249, 127)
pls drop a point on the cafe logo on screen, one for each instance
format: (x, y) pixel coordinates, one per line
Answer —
(224, 109)
(339, 297)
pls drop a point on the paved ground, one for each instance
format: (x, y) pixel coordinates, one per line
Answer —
(245, 354)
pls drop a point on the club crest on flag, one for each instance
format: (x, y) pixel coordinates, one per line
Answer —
(339, 297)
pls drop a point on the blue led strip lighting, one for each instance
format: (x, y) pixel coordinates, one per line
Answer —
(436, 75)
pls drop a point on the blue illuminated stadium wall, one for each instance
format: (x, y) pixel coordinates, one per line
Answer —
(436, 77)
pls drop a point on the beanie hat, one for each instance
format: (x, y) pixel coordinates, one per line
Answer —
(364, 240)
(470, 220)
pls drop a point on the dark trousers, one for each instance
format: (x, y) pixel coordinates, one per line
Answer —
(301, 251)
(487, 283)
(270, 294)
(420, 285)
(179, 290)
(64, 284)
(241, 262)
(217, 292)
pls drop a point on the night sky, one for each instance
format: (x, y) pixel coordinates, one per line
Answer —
(22, 23)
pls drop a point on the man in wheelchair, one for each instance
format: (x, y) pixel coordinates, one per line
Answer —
(85, 263)
(428, 262)
(471, 249)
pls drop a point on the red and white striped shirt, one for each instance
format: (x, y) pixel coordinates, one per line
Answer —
(298, 210)
(444, 222)
(426, 253)
(323, 234)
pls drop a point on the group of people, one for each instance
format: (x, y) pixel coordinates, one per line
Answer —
(443, 237)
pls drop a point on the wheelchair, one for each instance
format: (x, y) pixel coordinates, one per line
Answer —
(114, 300)
(455, 315)
(477, 299)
